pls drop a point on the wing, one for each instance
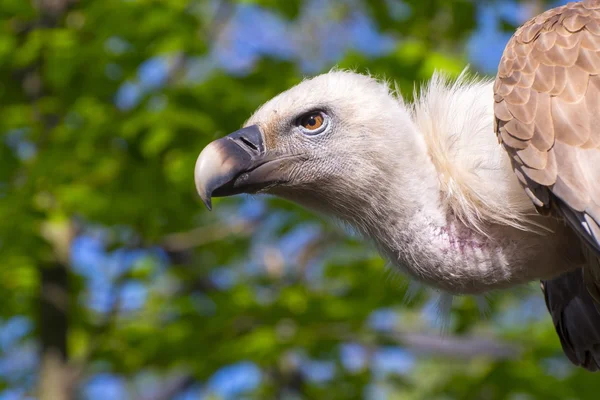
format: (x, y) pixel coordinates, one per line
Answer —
(547, 107)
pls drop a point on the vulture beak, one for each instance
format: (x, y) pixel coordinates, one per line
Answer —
(237, 163)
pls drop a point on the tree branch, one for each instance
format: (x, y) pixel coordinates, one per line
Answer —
(457, 346)
(54, 295)
(171, 388)
(53, 327)
(463, 347)
(200, 236)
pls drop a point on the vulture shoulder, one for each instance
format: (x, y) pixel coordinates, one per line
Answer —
(547, 109)
(547, 117)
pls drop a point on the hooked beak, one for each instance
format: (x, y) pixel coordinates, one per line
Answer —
(235, 164)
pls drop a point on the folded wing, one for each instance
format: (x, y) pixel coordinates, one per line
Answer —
(547, 108)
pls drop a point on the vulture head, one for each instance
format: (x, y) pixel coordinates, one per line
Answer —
(338, 143)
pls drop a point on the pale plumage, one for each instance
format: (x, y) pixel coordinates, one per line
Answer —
(455, 120)
(428, 182)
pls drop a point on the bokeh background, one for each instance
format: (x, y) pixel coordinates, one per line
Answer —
(116, 283)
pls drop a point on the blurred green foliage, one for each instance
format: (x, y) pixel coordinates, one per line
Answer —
(73, 163)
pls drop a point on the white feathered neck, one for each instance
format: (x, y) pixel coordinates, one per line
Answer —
(428, 182)
(476, 181)
(476, 229)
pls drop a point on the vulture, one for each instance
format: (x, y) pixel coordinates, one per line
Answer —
(476, 185)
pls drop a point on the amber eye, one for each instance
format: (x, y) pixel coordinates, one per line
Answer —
(313, 122)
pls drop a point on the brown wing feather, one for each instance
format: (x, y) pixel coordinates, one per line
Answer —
(547, 108)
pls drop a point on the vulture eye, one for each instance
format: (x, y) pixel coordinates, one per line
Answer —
(313, 123)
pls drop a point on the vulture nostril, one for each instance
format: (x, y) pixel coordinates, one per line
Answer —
(249, 139)
(249, 143)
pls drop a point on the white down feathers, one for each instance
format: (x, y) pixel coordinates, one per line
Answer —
(476, 179)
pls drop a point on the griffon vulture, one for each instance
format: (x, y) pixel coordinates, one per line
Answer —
(429, 183)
